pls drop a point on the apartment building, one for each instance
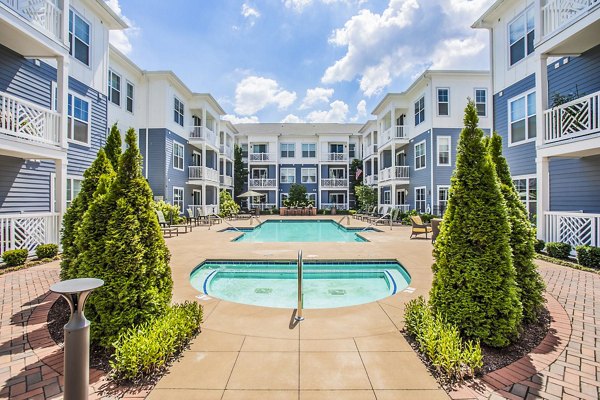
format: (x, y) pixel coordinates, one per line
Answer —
(546, 91)
(53, 105)
(317, 156)
(409, 151)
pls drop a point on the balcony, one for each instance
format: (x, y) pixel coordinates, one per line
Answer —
(206, 210)
(371, 180)
(258, 157)
(27, 231)
(576, 118)
(226, 180)
(262, 183)
(28, 121)
(558, 14)
(44, 15)
(203, 173)
(200, 134)
(369, 150)
(400, 173)
(575, 228)
(337, 206)
(227, 151)
(397, 133)
(335, 157)
(334, 183)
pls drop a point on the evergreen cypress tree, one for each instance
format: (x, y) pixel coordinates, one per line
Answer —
(522, 237)
(74, 214)
(240, 173)
(113, 146)
(126, 249)
(474, 279)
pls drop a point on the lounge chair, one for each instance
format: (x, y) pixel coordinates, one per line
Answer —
(435, 229)
(383, 210)
(192, 217)
(393, 216)
(165, 225)
(418, 227)
(368, 215)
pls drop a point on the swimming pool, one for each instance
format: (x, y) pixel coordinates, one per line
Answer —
(327, 284)
(300, 231)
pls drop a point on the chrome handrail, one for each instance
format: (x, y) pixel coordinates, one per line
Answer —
(299, 316)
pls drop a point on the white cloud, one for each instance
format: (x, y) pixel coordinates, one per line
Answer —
(316, 96)
(248, 11)
(361, 111)
(292, 119)
(254, 93)
(406, 38)
(234, 119)
(121, 38)
(300, 5)
(338, 112)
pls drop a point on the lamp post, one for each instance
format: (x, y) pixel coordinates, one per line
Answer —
(77, 336)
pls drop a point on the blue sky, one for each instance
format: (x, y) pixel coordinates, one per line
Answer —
(301, 60)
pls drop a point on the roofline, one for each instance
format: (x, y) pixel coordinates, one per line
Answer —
(364, 127)
(480, 22)
(212, 100)
(118, 22)
(120, 54)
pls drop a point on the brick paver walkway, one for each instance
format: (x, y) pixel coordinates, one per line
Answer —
(31, 363)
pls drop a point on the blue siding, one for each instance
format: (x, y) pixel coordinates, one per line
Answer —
(575, 184)
(156, 157)
(24, 185)
(175, 177)
(421, 177)
(521, 158)
(442, 174)
(580, 75)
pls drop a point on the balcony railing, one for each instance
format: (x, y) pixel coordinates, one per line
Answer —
(557, 14)
(261, 157)
(202, 134)
(27, 231)
(263, 206)
(576, 118)
(392, 173)
(334, 182)
(397, 132)
(203, 173)
(335, 157)
(572, 227)
(44, 15)
(262, 182)
(371, 179)
(226, 180)
(206, 210)
(403, 207)
(226, 150)
(369, 150)
(26, 120)
(337, 206)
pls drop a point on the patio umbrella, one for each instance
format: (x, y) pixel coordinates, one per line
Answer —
(251, 193)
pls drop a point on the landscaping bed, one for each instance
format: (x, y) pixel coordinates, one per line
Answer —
(32, 263)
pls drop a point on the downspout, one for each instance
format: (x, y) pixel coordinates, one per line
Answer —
(432, 145)
(147, 125)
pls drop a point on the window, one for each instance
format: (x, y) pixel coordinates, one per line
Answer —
(287, 150)
(527, 189)
(178, 111)
(522, 118)
(309, 175)
(420, 200)
(481, 102)
(73, 189)
(309, 150)
(178, 156)
(443, 98)
(443, 192)
(420, 156)
(129, 104)
(337, 198)
(79, 38)
(312, 198)
(443, 150)
(521, 35)
(259, 148)
(336, 148)
(114, 88)
(387, 197)
(78, 124)
(259, 173)
(420, 111)
(178, 197)
(337, 173)
(244, 150)
(282, 198)
(352, 150)
(288, 175)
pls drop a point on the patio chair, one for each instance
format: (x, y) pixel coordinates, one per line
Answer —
(383, 210)
(368, 215)
(192, 217)
(435, 228)
(204, 218)
(418, 227)
(168, 228)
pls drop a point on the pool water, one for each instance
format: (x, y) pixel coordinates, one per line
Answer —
(326, 284)
(300, 231)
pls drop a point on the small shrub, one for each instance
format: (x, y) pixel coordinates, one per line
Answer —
(146, 348)
(588, 256)
(558, 250)
(169, 211)
(16, 257)
(539, 245)
(228, 206)
(441, 343)
(46, 251)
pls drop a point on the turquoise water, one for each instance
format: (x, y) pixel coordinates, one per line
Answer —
(274, 284)
(300, 231)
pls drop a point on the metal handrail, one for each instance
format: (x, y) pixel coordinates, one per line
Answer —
(227, 222)
(377, 220)
(299, 316)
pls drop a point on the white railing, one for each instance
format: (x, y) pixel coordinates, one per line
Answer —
(337, 206)
(371, 179)
(263, 206)
(27, 231)
(261, 157)
(226, 180)
(335, 157)
(44, 15)
(399, 172)
(574, 228)
(26, 120)
(262, 182)
(226, 150)
(201, 211)
(403, 207)
(204, 134)
(557, 14)
(199, 172)
(369, 150)
(576, 118)
(334, 182)
(399, 132)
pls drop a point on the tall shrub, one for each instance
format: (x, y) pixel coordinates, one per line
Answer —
(113, 146)
(474, 279)
(297, 195)
(366, 197)
(522, 236)
(240, 172)
(228, 207)
(129, 253)
(74, 215)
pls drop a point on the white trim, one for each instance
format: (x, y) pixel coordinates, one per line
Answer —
(259, 169)
(425, 199)
(449, 151)
(287, 151)
(110, 88)
(132, 98)
(438, 193)
(302, 150)
(287, 169)
(176, 143)
(72, 43)
(182, 197)
(53, 191)
(424, 143)
(89, 121)
(437, 101)
(509, 23)
(54, 96)
(486, 100)
(182, 123)
(509, 121)
(281, 199)
(308, 169)
(415, 110)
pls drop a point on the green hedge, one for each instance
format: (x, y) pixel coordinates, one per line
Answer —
(146, 348)
(46, 251)
(588, 256)
(441, 343)
(16, 257)
(558, 250)
(539, 245)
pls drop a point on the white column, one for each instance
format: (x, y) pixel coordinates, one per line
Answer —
(65, 22)
(62, 98)
(541, 97)
(393, 121)
(543, 194)
(542, 163)
(61, 186)
(204, 198)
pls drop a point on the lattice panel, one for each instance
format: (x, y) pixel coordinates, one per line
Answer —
(575, 230)
(575, 118)
(32, 121)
